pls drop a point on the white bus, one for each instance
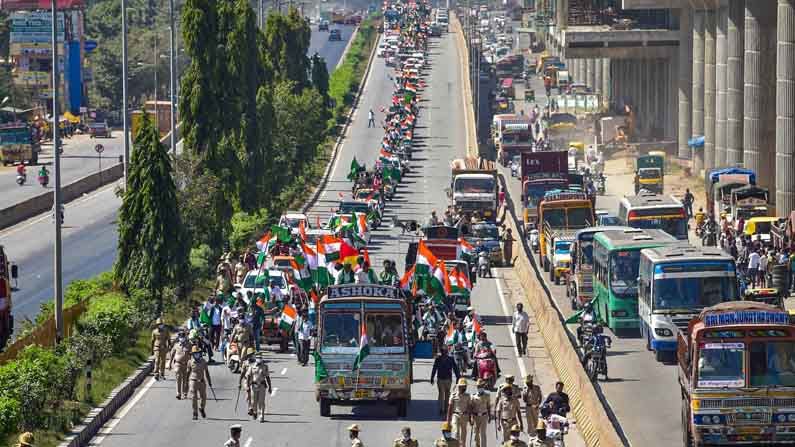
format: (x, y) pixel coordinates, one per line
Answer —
(675, 283)
(649, 211)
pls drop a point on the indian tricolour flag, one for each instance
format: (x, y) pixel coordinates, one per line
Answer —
(330, 247)
(459, 283)
(407, 279)
(476, 329)
(466, 248)
(364, 348)
(301, 275)
(321, 275)
(310, 256)
(426, 260)
(440, 280)
(289, 315)
(263, 242)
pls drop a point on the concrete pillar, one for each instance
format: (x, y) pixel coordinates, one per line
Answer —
(607, 93)
(698, 86)
(581, 71)
(573, 69)
(735, 39)
(785, 108)
(597, 68)
(590, 69)
(759, 92)
(721, 52)
(685, 80)
(673, 99)
(709, 89)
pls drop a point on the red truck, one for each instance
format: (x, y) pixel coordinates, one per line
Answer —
(541, 172)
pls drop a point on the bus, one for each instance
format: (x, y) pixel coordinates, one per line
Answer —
(579, 283)
(616, 258)
(346, 313)
(561, 210)
(654, 211)
(675, 284)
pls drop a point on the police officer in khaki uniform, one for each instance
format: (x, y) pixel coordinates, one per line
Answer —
(242, 333)
(481, 413)
(259, 381)
(531, 396)
(234, 436)
(509, 379)
(459, 412)
(405, 439)
(353, 433)
(447, 439)
(199, 378)
(248, 362)
(508, 413)
(161, 338)
(180, 354)
(514, 440)
(540, 439)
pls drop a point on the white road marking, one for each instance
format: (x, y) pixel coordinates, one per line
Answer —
(108, 428)
(284, 371)
(507, 311)
(248, 442)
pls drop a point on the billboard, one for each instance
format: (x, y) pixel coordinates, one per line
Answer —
(26, 5)
(34, 27)
(32, 78)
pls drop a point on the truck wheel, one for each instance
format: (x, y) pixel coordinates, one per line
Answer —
(557, 280)
(402, 408)
(325, 407)
(544, 264)
(660, 356)
(551, 273)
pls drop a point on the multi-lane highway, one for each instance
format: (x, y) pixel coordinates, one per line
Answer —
(154, 417)
(89, 235)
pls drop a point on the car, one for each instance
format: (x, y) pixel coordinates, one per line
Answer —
(282, 263)
(335, 34)
(323, 25)
(255, 282)
(99, 129)
(293, 219)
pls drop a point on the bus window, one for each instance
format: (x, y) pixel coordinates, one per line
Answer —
(624, 266)
(677, 293)
(341, 330)
(385, 330)
(676, 227)
(772, 363)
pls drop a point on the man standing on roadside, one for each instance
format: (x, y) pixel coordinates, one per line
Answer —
(370, 119)
(443, 368)
(520, 325)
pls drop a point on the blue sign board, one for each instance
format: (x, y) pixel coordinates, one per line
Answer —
(89, 45)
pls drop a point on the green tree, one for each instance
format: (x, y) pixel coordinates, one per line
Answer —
(320, 76)
(152, 251)
(284, 48)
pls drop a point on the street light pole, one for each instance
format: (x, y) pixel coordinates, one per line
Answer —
(124, 105)
(173, 78)
(58, 286)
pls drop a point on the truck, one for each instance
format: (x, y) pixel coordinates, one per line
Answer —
(17, 144)
(474, 186)
(540, 172)
(559, 248)
(735, 375)
(347, 316)
(8, 273)
(513, 135)
(561, 210)
(719, 184)
(510, 66)
(649, 173)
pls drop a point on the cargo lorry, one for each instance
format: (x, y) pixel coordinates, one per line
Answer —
(474, 186)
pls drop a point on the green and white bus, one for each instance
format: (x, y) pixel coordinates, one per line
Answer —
(616, 257)
(675, 284)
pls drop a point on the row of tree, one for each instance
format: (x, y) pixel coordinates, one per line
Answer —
(254, 112)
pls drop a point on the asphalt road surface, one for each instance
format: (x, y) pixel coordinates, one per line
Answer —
(89, 234)
(80, 158)
(154, 417)
(643, 393)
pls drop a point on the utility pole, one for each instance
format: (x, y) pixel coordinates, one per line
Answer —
(56, 207)
(261, 14)
(124, 105)
(173, 78)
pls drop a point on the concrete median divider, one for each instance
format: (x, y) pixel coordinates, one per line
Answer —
(466, 82)
(592, 420)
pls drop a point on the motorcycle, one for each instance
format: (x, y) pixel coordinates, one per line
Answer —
(21, 179)
(44, 180)
(484, 265)
(709, 238)
(557, 428)
(514, 169)
(596, 357)
(231, 353)
(460, 357)
(534, 240)
(487, 368)
(587, 326)
(600, 185)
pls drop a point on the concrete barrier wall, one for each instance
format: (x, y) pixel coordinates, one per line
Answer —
(592, 420)
(466, 82)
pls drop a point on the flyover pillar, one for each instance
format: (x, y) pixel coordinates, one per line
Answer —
(721, 51)
(785, 108)
(685, 80)
(709, 89)
(699, 17)
(735, 39)
(590, 69)
(607, 92)
(597, 68)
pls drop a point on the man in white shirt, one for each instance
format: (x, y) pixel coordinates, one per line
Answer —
(753, 267)
(520, 325)
(763, 261)
(304, 328)
(275, 292)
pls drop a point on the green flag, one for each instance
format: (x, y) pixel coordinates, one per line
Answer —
(321, 373)
(355, 168)
(281, 233)
(204, 317)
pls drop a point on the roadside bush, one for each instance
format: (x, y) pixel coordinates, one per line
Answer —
(78, 291)
(200, 259)
(245, 226)
(9, 415)
(114, 316)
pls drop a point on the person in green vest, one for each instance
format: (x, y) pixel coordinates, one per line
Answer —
(389, 275)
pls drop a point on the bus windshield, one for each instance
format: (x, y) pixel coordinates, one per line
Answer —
(474, 185)
(341, 332)
(772, 363)
(586, 253)
(579, 217)
(385, 331)
(693, 293)
(624, 266)
(721, 365)
(675, 226)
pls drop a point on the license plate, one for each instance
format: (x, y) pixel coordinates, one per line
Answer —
(361, 394)
(748, 430)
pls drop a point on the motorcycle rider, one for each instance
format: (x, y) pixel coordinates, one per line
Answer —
(458, 341)
(484, 264)
(21, 171)
(598, 341)
(485, 345)
(699, 219)
(558, 401)
(459, 411)
(43, 173)
(180, 353)
(443, 368)
(481, 413)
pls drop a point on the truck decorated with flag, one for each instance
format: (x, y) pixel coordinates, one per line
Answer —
(362, 353)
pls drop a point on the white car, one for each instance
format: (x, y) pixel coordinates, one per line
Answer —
(292, 220)
(250, 283)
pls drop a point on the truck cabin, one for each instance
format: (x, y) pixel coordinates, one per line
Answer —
(722, 198)
(740, 176)
(749, 201)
